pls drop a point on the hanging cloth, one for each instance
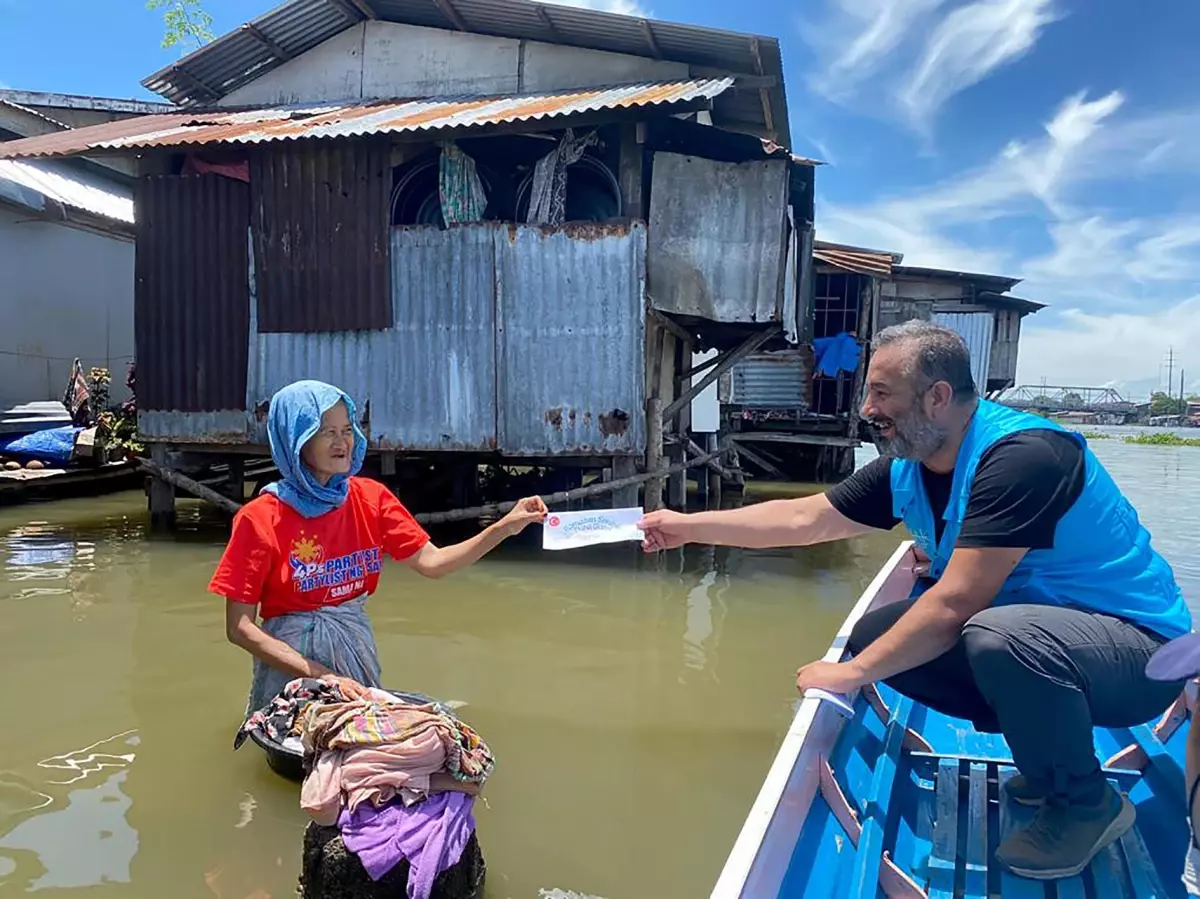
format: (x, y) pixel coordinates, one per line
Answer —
(460, 190)
(548, 196)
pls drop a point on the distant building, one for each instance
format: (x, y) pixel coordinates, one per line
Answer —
(66, 251)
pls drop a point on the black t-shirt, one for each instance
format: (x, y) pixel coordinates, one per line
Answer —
(1023, 485)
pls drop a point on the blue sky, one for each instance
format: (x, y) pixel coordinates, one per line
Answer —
(1052, 140)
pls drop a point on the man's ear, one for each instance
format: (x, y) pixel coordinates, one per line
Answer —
(941, 396)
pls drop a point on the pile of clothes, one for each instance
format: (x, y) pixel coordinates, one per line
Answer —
(397, 774)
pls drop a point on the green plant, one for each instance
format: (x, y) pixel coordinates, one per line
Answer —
(185, 20)
(1165, 438)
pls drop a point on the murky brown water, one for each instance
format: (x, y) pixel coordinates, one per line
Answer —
(634, 704)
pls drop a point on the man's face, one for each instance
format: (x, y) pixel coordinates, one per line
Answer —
(896, 409)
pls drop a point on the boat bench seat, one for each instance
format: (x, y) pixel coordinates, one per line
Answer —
(970, 818)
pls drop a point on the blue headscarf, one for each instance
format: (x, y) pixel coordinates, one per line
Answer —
(292, 420)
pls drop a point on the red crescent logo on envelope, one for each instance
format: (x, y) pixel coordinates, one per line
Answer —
(555, 521)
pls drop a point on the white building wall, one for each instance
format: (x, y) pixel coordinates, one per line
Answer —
(64, 292)
(383, 59)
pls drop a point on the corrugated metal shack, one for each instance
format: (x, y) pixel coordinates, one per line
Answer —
(793, 412)
(977, 306)
(790, 415)
(502, 226)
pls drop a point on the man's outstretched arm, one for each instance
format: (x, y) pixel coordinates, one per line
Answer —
(779, 522)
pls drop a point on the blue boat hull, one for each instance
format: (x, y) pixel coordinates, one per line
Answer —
(903, 801)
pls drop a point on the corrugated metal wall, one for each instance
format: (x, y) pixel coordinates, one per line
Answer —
(976, 329)
(520, 338)
(443, 347)
(717, 238)
(773, 380)
(572, 337)
(321, 233)
(192, 300)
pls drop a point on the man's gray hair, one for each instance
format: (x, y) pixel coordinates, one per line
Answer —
(938, 354)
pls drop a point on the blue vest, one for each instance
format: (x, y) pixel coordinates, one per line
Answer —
(1101, 560)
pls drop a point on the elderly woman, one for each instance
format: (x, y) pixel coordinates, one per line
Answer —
(308, 551)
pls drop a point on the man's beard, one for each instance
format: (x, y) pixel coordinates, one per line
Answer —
(915, 437)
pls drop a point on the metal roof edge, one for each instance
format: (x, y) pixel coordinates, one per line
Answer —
(897, 257)
(918, 271)
(328, 121)
(80, 101)
(181, 81)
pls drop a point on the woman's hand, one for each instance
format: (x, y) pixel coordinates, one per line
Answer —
(524, 513)
(351, 689)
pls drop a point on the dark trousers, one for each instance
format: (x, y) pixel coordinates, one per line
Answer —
(1043, 676)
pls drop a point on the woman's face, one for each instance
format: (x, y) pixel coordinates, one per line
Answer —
(330, 450)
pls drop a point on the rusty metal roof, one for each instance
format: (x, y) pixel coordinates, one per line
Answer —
(876, 263)
(296, 26)
(354, 119)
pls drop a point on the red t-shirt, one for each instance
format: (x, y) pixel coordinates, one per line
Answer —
(280, 560)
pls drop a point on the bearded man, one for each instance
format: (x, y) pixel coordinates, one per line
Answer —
(1042, 602)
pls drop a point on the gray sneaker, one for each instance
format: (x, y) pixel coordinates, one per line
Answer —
(1062, 839)
(1024, 791)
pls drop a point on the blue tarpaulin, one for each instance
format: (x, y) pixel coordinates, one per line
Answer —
(50, 445)
(836, 354)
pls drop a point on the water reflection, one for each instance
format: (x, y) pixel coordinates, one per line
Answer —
(634, 701)
(74, 837)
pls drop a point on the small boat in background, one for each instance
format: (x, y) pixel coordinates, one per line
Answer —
(895, 799)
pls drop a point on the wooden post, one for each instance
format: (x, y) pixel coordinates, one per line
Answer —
(624, 467)
(738, 481)
(677, 482)
(654, 453)
(727, 361)
(630, 167)
(235, 483)
(162, 494)
(714, 477)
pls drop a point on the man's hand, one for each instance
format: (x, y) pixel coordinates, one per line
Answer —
(663, 529)
(836, 677)
(524, 513)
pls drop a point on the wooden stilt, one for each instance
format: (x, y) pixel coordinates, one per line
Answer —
(162, 494)
(235, 482)
(677, 482)
(624, 497)
(714, 477)
(654, 453)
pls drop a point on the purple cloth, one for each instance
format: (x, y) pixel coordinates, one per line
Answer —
(431, 834)
(1178, 659)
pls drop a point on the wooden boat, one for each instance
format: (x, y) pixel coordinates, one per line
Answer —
(899, 800)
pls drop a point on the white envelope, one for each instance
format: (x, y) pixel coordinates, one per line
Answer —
(568, 530)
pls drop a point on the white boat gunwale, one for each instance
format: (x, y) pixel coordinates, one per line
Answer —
(759, 859)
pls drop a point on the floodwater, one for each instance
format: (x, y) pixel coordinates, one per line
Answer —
(634, 703)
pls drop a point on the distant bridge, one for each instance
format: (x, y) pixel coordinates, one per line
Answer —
(1048, 398)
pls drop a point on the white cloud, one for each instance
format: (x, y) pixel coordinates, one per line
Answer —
(1115, 270)
(1121, 350)
(932, 49)
(857, 36)
(968, 45)
(622, 7)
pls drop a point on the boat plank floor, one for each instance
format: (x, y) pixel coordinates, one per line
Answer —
(911, 804)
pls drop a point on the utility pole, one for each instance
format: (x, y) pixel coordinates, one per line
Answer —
(1170, 369)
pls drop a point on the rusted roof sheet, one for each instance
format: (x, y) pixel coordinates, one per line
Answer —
(355, 119)
(875, 263)
(296, 26)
